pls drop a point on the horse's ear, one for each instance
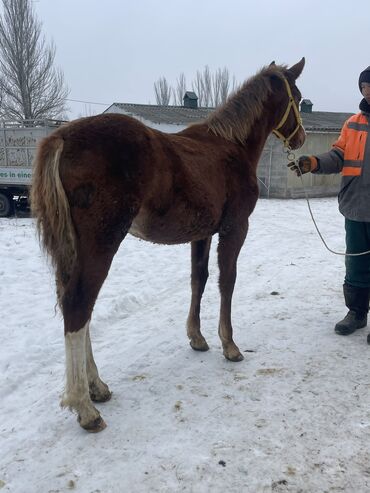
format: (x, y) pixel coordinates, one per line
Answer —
(272, 63)
(296, 69)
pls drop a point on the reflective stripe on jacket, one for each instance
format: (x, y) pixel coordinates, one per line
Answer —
(352, 144)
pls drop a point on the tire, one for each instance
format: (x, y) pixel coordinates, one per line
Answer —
(6, 205)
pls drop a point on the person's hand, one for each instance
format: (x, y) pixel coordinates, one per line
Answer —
(303, 165)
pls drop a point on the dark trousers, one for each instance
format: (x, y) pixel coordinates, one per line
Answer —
(357, 240)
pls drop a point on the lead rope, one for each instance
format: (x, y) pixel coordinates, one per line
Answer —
(291, 157)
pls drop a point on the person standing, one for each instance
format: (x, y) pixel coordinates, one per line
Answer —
(350, 156)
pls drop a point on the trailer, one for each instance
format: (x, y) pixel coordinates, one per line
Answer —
(18, 143)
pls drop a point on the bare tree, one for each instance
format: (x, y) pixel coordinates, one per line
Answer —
(87, 111)
(179, 92)
(32, 87)
(207, 86)
(224, 85)
(221, 86)
(162, 92)
(235, 86)
(216, 88)
(211, 89)
(198, 88)
(202, 86)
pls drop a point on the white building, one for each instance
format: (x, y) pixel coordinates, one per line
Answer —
(275, 179)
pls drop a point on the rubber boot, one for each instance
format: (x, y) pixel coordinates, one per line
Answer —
(357, 300)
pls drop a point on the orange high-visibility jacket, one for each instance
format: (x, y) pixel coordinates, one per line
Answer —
(352, 144)
(350, 156)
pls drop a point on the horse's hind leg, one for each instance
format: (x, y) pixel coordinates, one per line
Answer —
(99, 391)
(199, 276)
(76, 394)
(79, 295)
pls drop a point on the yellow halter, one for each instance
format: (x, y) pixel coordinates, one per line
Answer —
(291, 104)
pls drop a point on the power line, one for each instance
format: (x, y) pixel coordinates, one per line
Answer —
(88, 102)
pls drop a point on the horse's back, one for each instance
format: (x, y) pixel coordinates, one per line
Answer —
(105, 150)
(173, 186)
(102, 133)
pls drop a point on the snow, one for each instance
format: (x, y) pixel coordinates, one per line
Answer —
(294, 416)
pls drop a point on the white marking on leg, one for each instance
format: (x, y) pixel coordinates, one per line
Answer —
(76, 377)
(76, 394)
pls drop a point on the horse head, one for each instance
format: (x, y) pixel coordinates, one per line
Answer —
(289, 127)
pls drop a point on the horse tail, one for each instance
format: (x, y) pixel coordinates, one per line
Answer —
(50, 207)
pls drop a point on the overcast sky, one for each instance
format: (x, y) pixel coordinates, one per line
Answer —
(114, 50)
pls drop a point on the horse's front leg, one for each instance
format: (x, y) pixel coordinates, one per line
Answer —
(199, 276)
(228, 251)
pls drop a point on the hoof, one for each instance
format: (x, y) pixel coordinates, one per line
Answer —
(231, 352)
(100, 398)
(99, 391)
(199, 345)
(235, 357)
(94, 426)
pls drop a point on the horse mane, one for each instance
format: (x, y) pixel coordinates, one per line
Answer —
(235, 118)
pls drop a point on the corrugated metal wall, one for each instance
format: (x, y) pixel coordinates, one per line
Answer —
(276, 180)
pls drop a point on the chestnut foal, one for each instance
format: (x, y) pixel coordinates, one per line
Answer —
(98, 178)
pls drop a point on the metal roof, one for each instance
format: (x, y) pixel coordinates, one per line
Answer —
(324, 120)
(178, 115)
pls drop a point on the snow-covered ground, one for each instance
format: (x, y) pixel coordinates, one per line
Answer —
(294, 416)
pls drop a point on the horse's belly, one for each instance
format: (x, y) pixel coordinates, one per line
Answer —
(173, 230)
